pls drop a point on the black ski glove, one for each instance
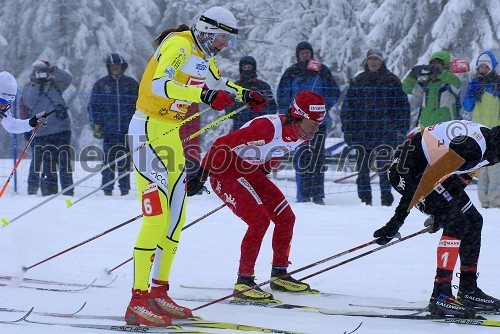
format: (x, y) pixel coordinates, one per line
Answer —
(40, 118)
(195, 184)
(431, 222)
(254, 99)
(388, 232)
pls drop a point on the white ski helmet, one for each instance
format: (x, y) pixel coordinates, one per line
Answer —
(215, 21)
(8, 88)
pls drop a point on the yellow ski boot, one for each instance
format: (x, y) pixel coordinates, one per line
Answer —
(288, 283)
(257, 294)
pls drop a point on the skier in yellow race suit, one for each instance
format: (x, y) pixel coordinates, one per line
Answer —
(181, 71)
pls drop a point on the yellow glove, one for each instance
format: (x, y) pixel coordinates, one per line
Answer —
(97, 131)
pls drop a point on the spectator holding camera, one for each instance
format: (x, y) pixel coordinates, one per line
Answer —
(439, 87)
(111, 107)
(51, 146)
(483, 100)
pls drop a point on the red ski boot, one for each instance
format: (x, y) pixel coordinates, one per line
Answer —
(141, 312)
(166, 305)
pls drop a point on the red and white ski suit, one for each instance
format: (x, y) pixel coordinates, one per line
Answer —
(238, 164)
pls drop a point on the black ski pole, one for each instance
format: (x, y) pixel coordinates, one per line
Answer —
(425, 230)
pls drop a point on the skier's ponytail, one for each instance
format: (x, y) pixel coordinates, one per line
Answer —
(159, 39)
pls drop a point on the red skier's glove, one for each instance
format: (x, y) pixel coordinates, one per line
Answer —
(254, 99)
(217, 99)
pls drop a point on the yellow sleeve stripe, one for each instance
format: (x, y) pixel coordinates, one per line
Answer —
(214, 69)
(237, 89)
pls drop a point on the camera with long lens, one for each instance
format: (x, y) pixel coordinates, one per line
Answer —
(42, 74)
(426, 73)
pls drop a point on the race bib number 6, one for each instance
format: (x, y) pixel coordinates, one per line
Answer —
(151, 204)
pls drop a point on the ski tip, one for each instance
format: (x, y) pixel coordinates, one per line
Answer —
(114, 279)
(69, 203)
(81, 308)
(29, 312)
(5, 222)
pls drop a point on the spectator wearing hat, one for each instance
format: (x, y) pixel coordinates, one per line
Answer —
(483, 100)
(309, 159)
(248, 79)
(438, 87)
(111, 107)
(375, 117)
(51, 146)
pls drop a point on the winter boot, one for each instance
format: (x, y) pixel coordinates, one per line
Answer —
(166, 305)
(478, 299)
(288, 283)
(318, 200)
(257, 294)
(444, 305)
(140, 311)
(386, 198)
(108, 192)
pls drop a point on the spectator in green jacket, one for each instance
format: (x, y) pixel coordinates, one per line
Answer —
(439, 87)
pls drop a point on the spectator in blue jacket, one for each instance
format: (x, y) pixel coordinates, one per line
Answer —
(483, 100)
(111, 106)
(375, 118)
(309, 158)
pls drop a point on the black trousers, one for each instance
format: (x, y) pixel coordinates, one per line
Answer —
(308, 162)
(114, 147)
(51, 154)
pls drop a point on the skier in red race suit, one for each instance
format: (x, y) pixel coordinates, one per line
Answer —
(238, 163)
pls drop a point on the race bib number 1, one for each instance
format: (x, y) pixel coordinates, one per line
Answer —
(151, 204)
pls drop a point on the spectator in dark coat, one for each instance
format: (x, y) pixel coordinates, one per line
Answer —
(111, 107)
(309, 158)
(248, 79)
(51, 146)
(375, 119)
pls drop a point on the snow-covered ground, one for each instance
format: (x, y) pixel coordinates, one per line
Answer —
(208, 255)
